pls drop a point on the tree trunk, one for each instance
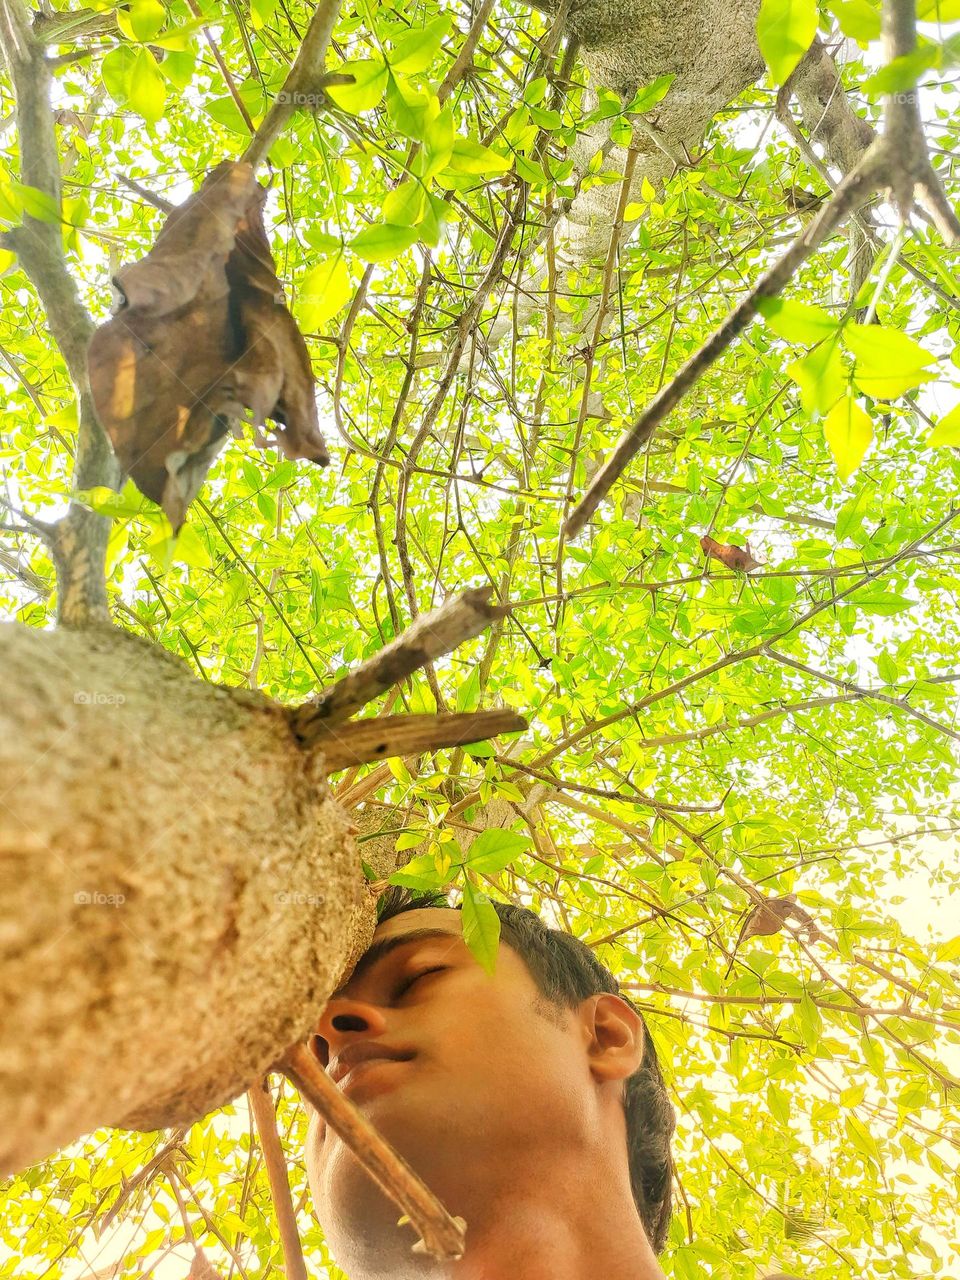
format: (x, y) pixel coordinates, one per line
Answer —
(180, 889)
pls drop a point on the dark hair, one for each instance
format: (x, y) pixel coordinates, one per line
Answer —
(566, 971)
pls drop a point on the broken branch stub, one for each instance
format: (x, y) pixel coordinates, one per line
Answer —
(381, 737)
(431, 636)
(202, 336)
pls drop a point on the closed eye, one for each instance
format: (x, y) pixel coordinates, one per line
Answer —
(408, 982)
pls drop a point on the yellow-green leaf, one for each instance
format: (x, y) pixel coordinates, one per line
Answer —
(403, 206)
(877, 345)
(848, 430)
(938, 10)
(142, 21)
(785, 31)
(796, 321)
(369, 82)
(416, 50)
(473, 157)
(324, 291)
(947, 430)
(481, 926)
(856, 19)
(146, 91)
(383, 242)
(820, 377)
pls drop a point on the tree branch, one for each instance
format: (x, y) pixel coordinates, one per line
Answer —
(382, 737)
(430, 637)
(898, 160)
(79, 541)
(303, 78)
(261, 1104)
(441, 1236)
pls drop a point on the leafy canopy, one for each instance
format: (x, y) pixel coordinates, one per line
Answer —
(697, 735)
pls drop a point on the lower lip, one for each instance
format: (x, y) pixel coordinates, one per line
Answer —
(363, 1069)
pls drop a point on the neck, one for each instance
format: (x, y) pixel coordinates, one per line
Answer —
(566, 1238)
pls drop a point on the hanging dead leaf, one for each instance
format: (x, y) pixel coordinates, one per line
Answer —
(733, 557)
(202, 1269)
(768, 918)
(201, 336)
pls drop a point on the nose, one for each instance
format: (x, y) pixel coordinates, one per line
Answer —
(344, 1020)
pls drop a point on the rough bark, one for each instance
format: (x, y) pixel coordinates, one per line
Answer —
(710, 47)
(179, 886)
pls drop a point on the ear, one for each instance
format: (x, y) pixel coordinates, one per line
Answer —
(615, 1036)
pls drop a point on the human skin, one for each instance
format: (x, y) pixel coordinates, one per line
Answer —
(510, 1110)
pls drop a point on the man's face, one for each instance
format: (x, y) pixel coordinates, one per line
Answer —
(497, 1087)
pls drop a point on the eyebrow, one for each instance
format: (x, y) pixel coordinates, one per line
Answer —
(378, 950)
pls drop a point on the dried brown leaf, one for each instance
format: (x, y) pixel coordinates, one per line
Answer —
(732, 556)
(202, 335)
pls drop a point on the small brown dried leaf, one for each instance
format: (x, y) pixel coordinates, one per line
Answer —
(202, 1269)
(732, 556)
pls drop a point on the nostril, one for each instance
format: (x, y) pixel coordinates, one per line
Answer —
(349, 1022)
(320, 1048)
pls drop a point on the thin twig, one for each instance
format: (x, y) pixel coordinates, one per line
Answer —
(261, 1104)
(306, 71)
(441, 1235)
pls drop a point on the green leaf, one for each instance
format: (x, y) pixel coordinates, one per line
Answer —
(472, 157)
(857, 19)
(495, 849)
(115, 72)
(415, 52)
(226, 112)
(35, 203)
(649, 95)
(848, 430)
(261, 13)
(178, 68)
(404, 205)
(947, 430)
(325, 289)
(887, 669)
(886, 603)
(411, 111)
(481, 926)
(106, 502)
(369, 83)
(438, 138)
(146, 91)
(851, 514)
(383, 242)
(887, 361)
(862, 1140)
(785, 31)
(939, 11)
(142, 20)
(796, 321)
(421, 873)
(820, 377)
(902, 74)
